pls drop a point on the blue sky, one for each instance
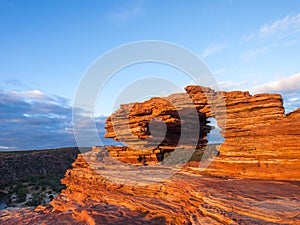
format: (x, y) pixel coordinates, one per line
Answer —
(47, 46)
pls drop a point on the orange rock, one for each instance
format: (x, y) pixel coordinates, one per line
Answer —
(261, 141)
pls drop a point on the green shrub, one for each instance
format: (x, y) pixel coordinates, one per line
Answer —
(21, 192)
(35, 201)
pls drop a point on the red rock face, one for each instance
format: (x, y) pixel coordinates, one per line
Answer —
(261, 141)
(188, 197)
(159, 123)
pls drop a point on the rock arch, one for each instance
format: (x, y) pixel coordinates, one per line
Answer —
(260, 139)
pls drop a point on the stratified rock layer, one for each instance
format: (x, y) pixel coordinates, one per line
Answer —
(159, 123)
(187, 197)
(261, 141)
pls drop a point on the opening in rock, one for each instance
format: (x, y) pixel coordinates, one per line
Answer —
(214, 136)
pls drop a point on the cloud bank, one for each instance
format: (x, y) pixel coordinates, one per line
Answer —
(33, 120)
(291, 83)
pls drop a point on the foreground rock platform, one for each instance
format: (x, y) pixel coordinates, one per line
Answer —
(188, 197)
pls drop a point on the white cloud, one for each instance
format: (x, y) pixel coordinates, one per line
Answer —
(249, 37)
(281, 28)
(288, 24)
(212, 50)
(6, 147)
(294, 99)
(34, 94)
(256, 52)
(220, 71)
(282, 33)
(291, 83)
(267, 48)
(128, 12)
(228, 84)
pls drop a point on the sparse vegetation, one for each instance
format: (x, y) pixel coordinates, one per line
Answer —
(37, 199)
(36, 191)
(33, 177)
(21, 192)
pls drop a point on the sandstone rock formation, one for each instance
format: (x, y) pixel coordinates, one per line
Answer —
(261, 141)
(189, 197)
(186, 198)
(158, 123)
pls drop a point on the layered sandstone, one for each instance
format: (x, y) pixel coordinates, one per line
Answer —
(187, 197)
(261, 141)
(159, 123)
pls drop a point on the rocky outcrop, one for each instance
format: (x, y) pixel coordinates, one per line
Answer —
(261, 141)
(159, 123)
(188, 197)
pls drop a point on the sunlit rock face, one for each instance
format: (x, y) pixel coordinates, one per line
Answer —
(164, 123)
(188, 197)
(260, 139)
